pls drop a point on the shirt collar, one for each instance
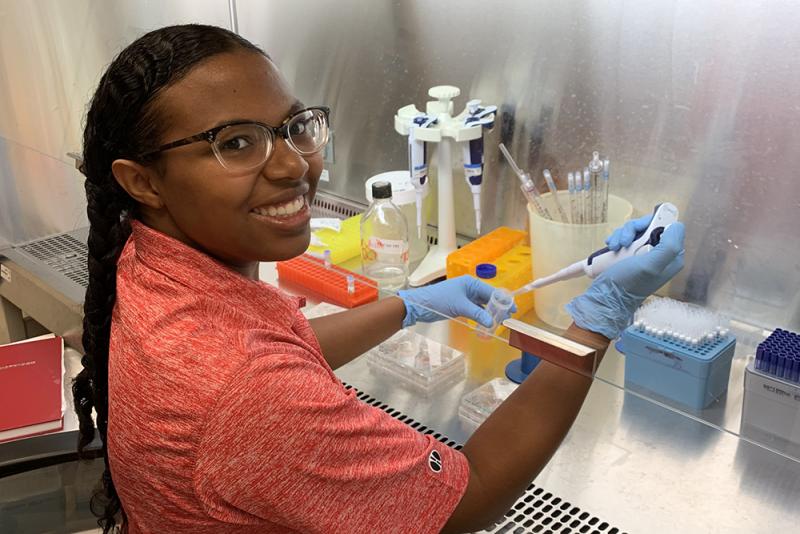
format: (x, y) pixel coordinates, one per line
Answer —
(199, 271)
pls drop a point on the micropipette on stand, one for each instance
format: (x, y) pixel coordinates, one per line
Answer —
(663, 215)
(418, 162)
(551, 185)
(473, 153)
(528, 187)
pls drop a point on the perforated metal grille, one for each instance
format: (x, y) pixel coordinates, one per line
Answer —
(324, 206)
(537, 510)
(62, 253)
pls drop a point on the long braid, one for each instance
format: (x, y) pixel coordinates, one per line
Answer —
(121, 123)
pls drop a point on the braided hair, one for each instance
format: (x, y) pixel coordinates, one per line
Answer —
(122, 122)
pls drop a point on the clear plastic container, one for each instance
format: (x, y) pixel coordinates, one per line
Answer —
(384, 240)
(417, 362)
(555, 244)
(479, 403)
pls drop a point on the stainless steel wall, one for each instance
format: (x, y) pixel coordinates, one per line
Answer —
(52, 54)
(695, 102)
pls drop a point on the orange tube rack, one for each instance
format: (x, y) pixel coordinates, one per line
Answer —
(329, 283)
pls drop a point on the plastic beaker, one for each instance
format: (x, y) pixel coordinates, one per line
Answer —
(555, 244)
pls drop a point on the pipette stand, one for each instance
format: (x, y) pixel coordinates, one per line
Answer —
(445, 132)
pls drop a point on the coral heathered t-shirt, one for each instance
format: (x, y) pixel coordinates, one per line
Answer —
(225, 417)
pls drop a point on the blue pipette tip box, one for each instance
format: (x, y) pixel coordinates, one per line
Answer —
(779, 355)
(691, 375)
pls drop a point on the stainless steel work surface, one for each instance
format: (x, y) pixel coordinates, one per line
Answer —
(640, 466)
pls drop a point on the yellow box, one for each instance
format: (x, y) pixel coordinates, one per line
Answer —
(344, 244)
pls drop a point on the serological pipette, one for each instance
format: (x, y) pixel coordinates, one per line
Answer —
(528, 187)
(600, 260)
(595, 172)
(551, 185)
(604, 190)
(579, 196)
(588, 206)
(572, 206)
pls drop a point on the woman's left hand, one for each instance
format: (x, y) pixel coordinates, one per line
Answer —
(464, 296)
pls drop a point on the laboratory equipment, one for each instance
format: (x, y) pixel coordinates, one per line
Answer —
(528, 187)
(588, 200)
(551, 185)
(579, 197)
(384, 240)
(351, 284)
(343, 242)
(595, 177)
(421, 364)
(446, 130)
(498, 307)
(473, 153)
(573, 216)
(326, 258)
(604, 190)
(518, 370)
(679, 351)
(485, 249)
(771, 412)
(779, 356)
(477, 405)
(418, 163)
(600, 260)
(555, 244)
(329, 284)
(404, 196)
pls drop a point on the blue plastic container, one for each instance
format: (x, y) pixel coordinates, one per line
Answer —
(692, 376)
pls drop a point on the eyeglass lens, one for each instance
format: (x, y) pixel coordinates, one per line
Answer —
(244, 146)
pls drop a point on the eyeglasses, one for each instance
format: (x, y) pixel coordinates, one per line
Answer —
(245, 145)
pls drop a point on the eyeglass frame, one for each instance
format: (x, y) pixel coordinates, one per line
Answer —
(281, 131)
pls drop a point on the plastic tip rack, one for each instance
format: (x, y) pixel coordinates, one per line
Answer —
(779, 355)
(330, 283)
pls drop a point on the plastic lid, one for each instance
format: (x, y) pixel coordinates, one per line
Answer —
(381, 190)
(486, 270)
(403, 191)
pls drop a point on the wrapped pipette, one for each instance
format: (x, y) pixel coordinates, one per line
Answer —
(528, 187)
(552, 186)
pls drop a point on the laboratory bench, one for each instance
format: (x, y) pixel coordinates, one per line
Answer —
(630, 463)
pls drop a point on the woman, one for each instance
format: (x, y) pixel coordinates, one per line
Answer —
(215, 399)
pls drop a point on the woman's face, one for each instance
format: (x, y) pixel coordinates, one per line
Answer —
(224, 213)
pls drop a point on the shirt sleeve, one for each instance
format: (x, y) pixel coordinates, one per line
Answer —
(287, 443)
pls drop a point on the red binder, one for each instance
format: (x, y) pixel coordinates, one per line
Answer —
(31, 387)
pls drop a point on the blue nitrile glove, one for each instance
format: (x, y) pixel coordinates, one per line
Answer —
(464, 296)
(608, 305)
(623, 236)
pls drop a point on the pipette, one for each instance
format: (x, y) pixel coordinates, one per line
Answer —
(595, 171)
(528, 187)
(572, 204)
(604, 191)
(551, 185)
(588, 206)
(579, 196)
(417, 162)
(663, 215)
(473, 153)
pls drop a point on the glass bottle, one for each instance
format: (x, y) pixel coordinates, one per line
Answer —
(384, 240)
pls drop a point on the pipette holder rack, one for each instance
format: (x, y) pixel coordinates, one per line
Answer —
(330, 283)
(693, 376)
(448, 129)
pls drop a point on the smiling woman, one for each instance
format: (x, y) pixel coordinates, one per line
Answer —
(216, 401)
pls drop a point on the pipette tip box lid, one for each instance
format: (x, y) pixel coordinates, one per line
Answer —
(478, 404)
(421, 364)
(691, 375)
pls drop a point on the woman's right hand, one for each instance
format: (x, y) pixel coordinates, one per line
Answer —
(608, 305)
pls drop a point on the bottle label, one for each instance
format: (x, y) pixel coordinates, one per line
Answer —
(395, 248)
